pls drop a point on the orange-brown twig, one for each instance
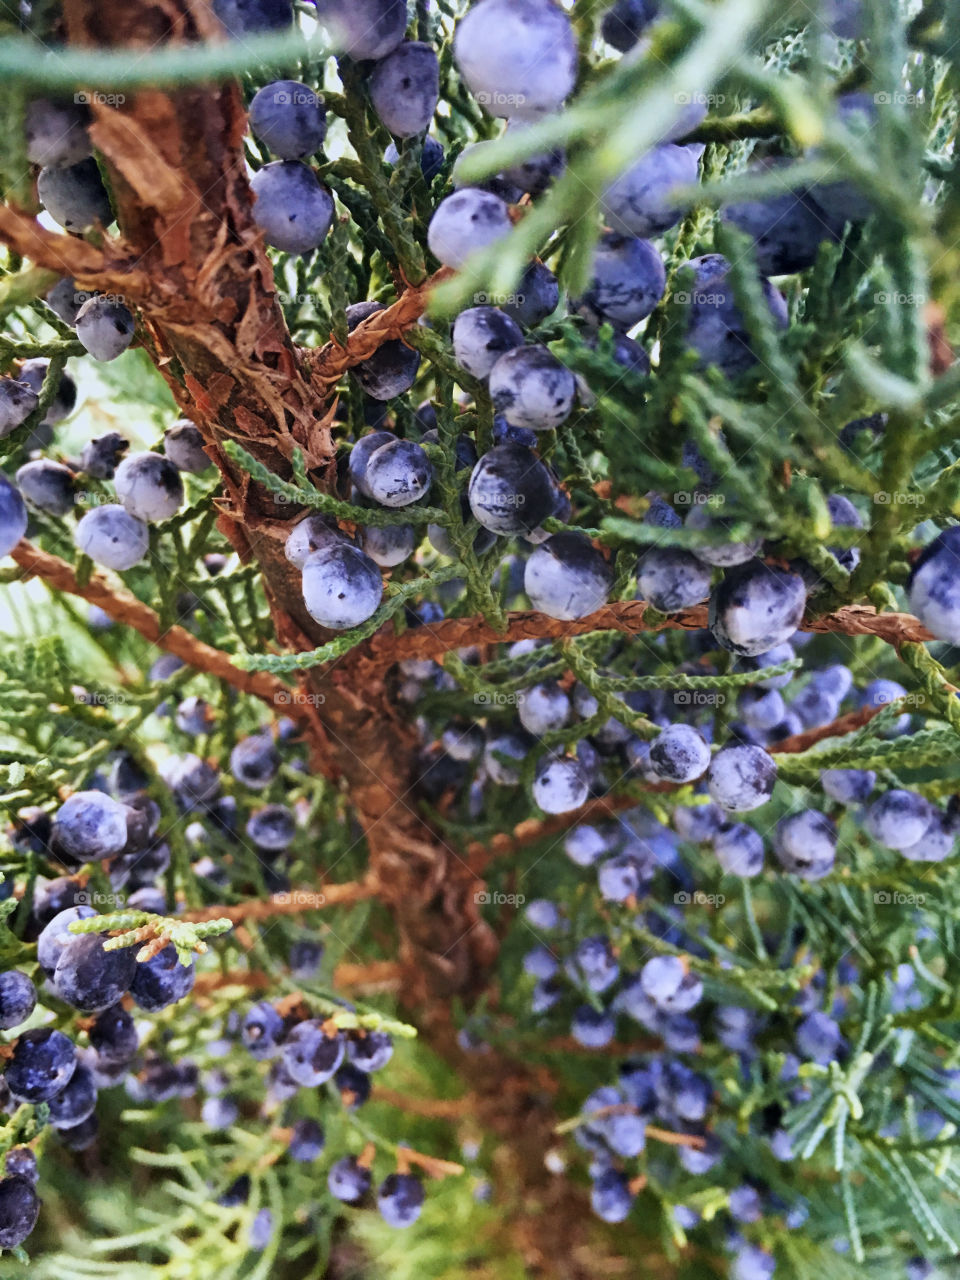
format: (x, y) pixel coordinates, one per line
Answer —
(288, 904)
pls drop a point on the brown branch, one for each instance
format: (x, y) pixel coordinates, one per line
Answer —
(626, 616)
(379, 974)
(288, 904)
(125, 608)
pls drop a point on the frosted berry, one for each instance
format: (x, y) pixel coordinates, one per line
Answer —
(162, 980)
(365, 29)
(544, 709)
(13, 516)
(739, 849)
(33, 373)
(392, 368)
(518, 57)
(560, 784)
(310, 1055)
(149, 486)
(481, 335)
(934, 588)
(314, 533)
(679, 754)
(246, 17)
(42, 1063)
(398, 473)
(756, 607)
(101, 456)
(90, 978)
(567, 578)
(715, 326)
(741, 778)
(805, 844)
(405, 88)
(466, 221)
(400, 1199)
(531, 388)
(848, 786)
(75, 196)
(510, 490)
(390, 545)
(670, 579)
(47, 485)
(17, 401)
(90, 826)
(626, 20)
(644, 201)
(76, 1102)
(291, 208)
(105, 327)
(183, 445)
(348, 1180)
(899, 818)
(342, 587)
(18, 997)
(628, 280)
(288, 118)
(19, 1211)
(56, 132)
(509, 746)
(537, 296)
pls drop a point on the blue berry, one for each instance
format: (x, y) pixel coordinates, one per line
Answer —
(534, 174)
(592, 1028)
(698, 822)
(34, 373)
(56, 132)
(628, 279)
(881, 693)
(720, 553)
(101, 456)
(510, 490)
(19, 1210)
(263, 1030)
(787, 231)
(162, 981)
(936, 843)
(183, 444)
(400, 1199)
(291, 208)
(272, 828)
(517, 57)
(18, 998)
(739, 849)
(431, 157)
(348, 1180)
(670, 984)
(43, 1062)
(512, 747)
(390, 545)
(20, 1162)
(310, 1055)
(194, 783)
(17, 401)
(465, 222)
(610, 1197)
(307, 1141)
(899, 818)
(112, 537)
(560, 784)
(643, 201)
(741, 778)
(543, 709)
(595, 964)
(76, 1102)
(398, 473)
(13, 516)
(531, 388)
(90, 826)
(625, 22)
(818, 1038)
(715, 327)
(75, 196)
(342, 587)
(537, 296)
(246, 17)
(91, 978)
(567, 578)
(113, 1036)
(481, 335)
(848, 786)
(370, 1051)
(679, 754)
(806, 844)
(65, 299)
(744, 1204)
(261, 1230)
(405, 88)
(756, 607)
(752, 1263)
(670, 579)
(288, 118)
(315, 533)
(389, 372)
(254, 761)
(584, 845)
(365, 29)
(105, 327)
(47, 485)
(934, 587)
